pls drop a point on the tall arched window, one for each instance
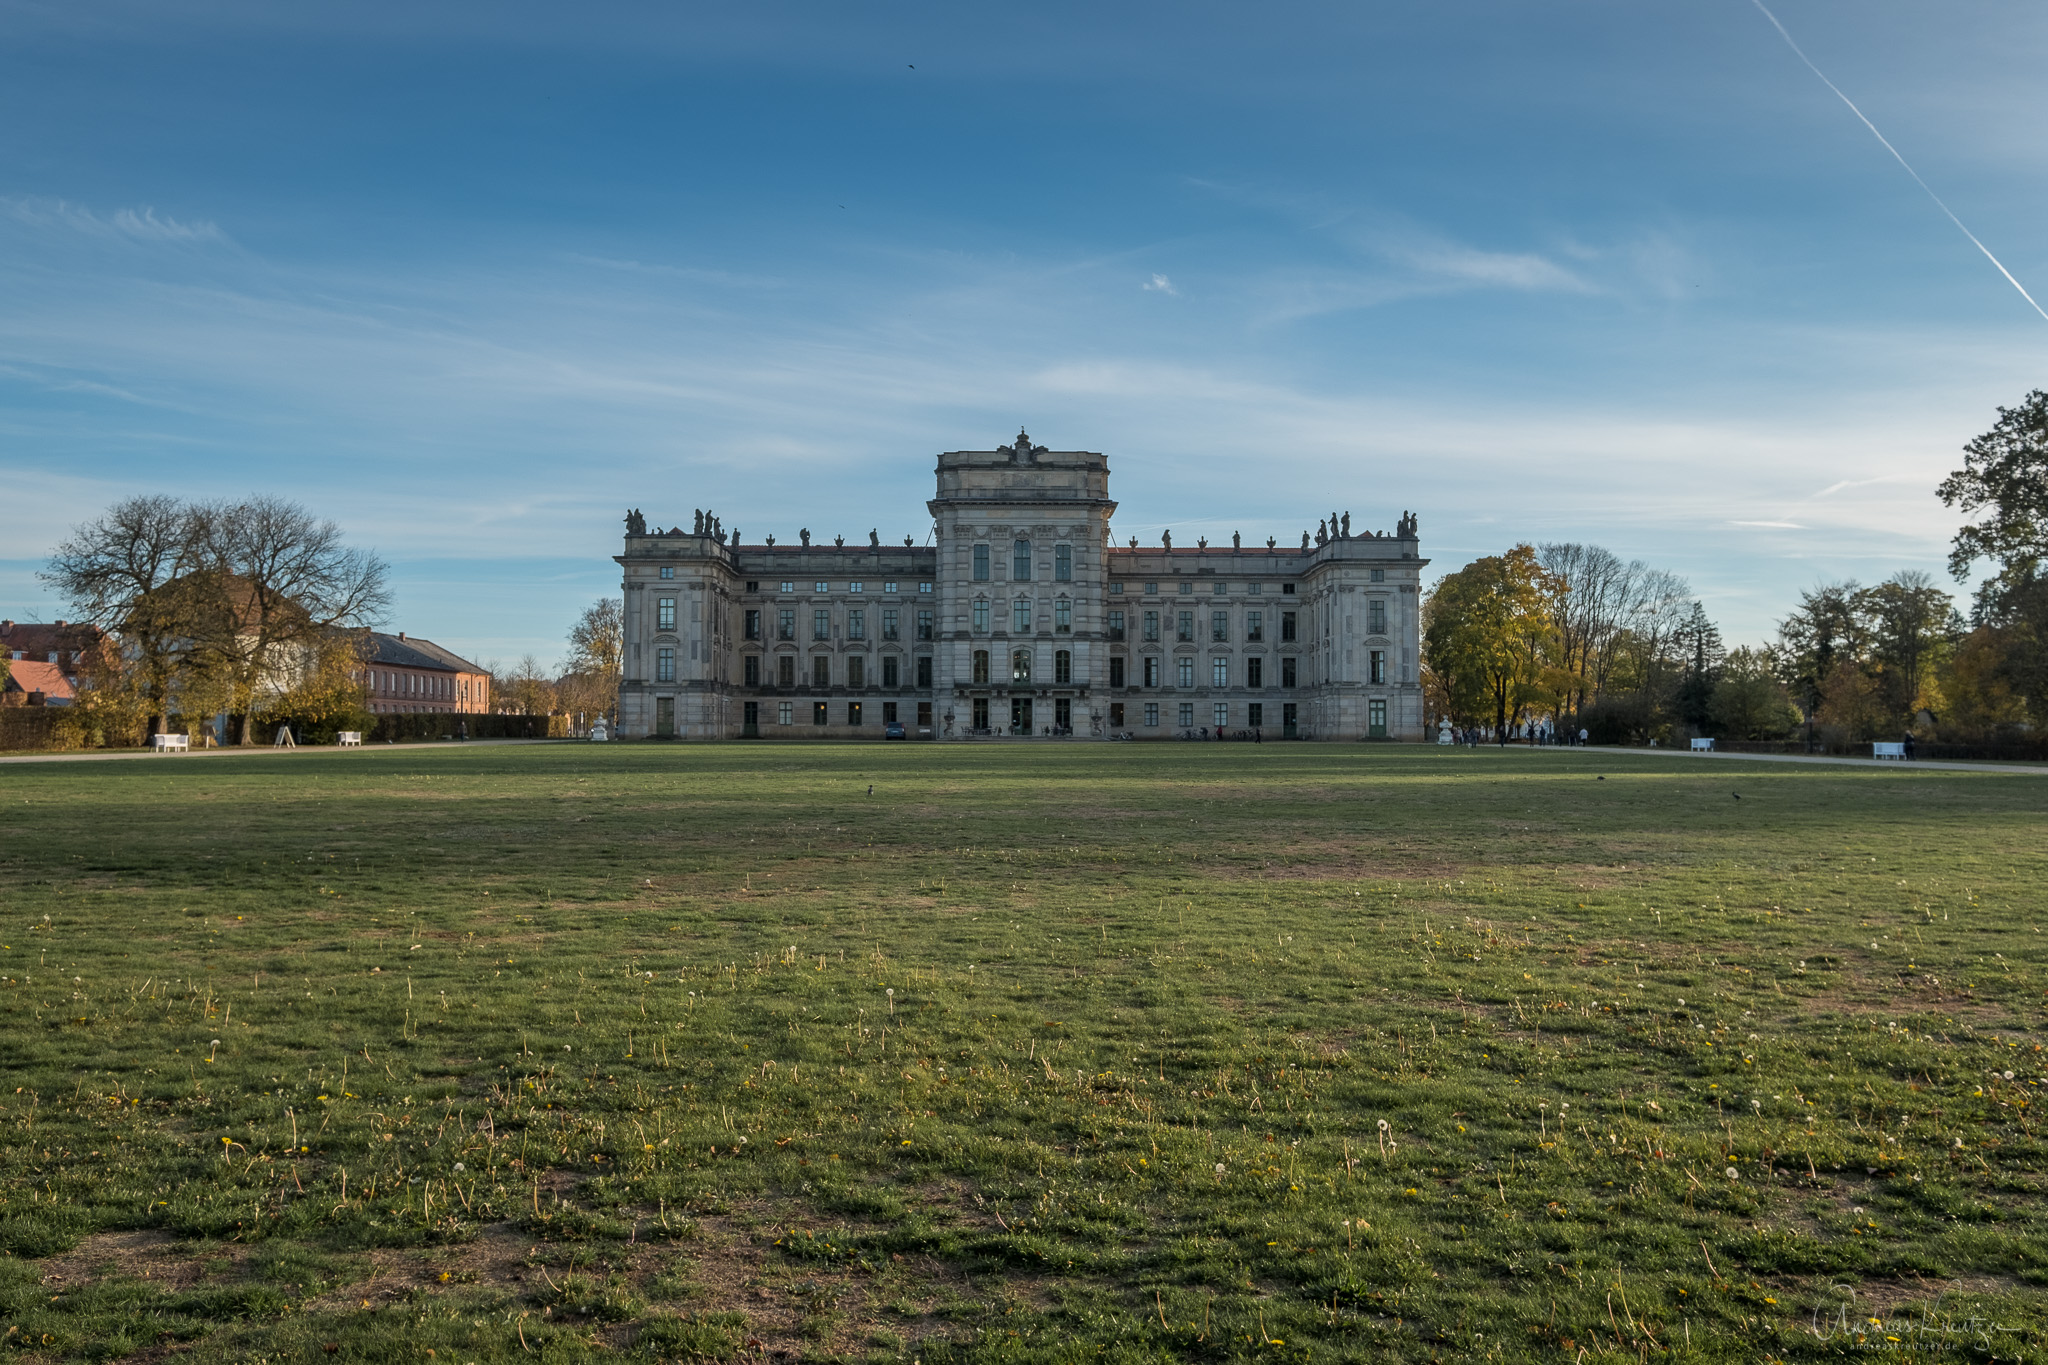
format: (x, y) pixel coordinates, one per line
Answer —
(1020, 560)
(1020, 615)
(981, 563)
(981, 616)
(981, 666)
(1063, 667)
(1020, 666)
(1063, 563)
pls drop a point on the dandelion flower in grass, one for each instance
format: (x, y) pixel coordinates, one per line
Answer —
(2008, 1075)
(460, 1167)
(1731, 1173)
(1385, 1126)
(1219, 1168)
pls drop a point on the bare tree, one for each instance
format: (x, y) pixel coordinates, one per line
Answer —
(280, 583)
(129, 573)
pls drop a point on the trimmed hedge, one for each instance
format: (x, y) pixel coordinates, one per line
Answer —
(413, 728)
(31, 727)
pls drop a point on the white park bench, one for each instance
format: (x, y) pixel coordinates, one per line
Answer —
(1895, 749)
(1701, 746)
(164, 744)
(350, 739)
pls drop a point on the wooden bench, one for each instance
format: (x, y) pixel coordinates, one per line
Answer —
(165, 744)
(350, 739)
(1702, 746)
(1895, 749)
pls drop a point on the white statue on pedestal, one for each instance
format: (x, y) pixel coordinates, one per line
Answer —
(1443, 730)
(599, 732)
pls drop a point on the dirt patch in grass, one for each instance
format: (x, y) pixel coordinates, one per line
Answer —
(154, 1256)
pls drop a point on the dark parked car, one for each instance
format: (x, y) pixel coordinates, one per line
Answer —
(894, 730)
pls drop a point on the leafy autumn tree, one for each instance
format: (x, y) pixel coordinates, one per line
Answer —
(1748, 700)
(1487, 631)
(2004, 473)
(597, 651)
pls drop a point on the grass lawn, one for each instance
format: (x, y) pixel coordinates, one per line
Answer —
(1065, 1052)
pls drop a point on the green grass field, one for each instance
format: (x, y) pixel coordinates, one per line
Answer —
(1071, 1052)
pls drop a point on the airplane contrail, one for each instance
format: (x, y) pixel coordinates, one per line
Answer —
(1900, 159)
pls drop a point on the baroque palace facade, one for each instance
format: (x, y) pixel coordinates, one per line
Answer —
(1021, 619)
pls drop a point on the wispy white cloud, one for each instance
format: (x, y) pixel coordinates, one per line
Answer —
(142, 224)
(1772, 525)
(1161, 284)
(1459, 264)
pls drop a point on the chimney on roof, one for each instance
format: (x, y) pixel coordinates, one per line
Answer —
(60, 623)
(401, 635)
(6, 626)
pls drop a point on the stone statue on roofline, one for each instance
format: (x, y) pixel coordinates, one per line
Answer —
(805, 536)
(1347, 526)
(1304, 540)
(874, 539)
(1166, 539)
(636, 525)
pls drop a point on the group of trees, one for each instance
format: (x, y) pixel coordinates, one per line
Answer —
(587, 682)
(1571, 632)
(243, 608)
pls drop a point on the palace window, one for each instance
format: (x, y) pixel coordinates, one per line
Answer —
(888, 713)
(891, 671)
(1254, 589)
(1020, 561)
(1020, 666)
(821, 671)
(888, 587)
(753, 624)
(924, 587)
(1254, 625)
(1255, 671)
(664, 664)
(1116, 624)
(1219, 625)
(924, 670)
(1376, 617)
(857, 623)
(1116, 590)
(924, 623)
(1219, 589)
(1184, 671)
(1286, 627)
(1378, 670)
(1151, 590)
(1287, 672)
(788, 587)
(1287, 590)
(888, 623)
(856, 587)
(1379, 575)
(785, 713)
(981, 713)
(981, 563)
(821, 587)
(1062, 616)
(785, 624)
(1222, 714)
(753, 670)
(1255, 714)
(856, 671)
(1186, 625)
(1116, 672)
(1152, 713)
(1062, 667)
(1116, 714)
(1186, 713)
(665, 613)
(1152, 627)
(853, 713)
(1186, 589)
(981, 616)
(1020, 615)
(821, 624)
(668, 571)
(785, 672)
(1063, 563)
(1219, 672)
(818, 713)
(1151, 670)
(1376, 718)
(980, 673)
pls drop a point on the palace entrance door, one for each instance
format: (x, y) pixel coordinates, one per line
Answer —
(1020, 715)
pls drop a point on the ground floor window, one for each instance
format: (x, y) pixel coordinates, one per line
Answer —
(1116, 713)
(981, 713)
(818, 713)
(888, 713)
(785, 713)
(752, 723)
(1289, 718)
(1152, 713)
(1186, 720)
(1063, 713)
(853, 713)
(924, 713)
(1222, 714)
(664, 715)
(1255, 714)
(1376, 718)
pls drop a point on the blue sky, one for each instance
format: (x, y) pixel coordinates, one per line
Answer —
(473, 279)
